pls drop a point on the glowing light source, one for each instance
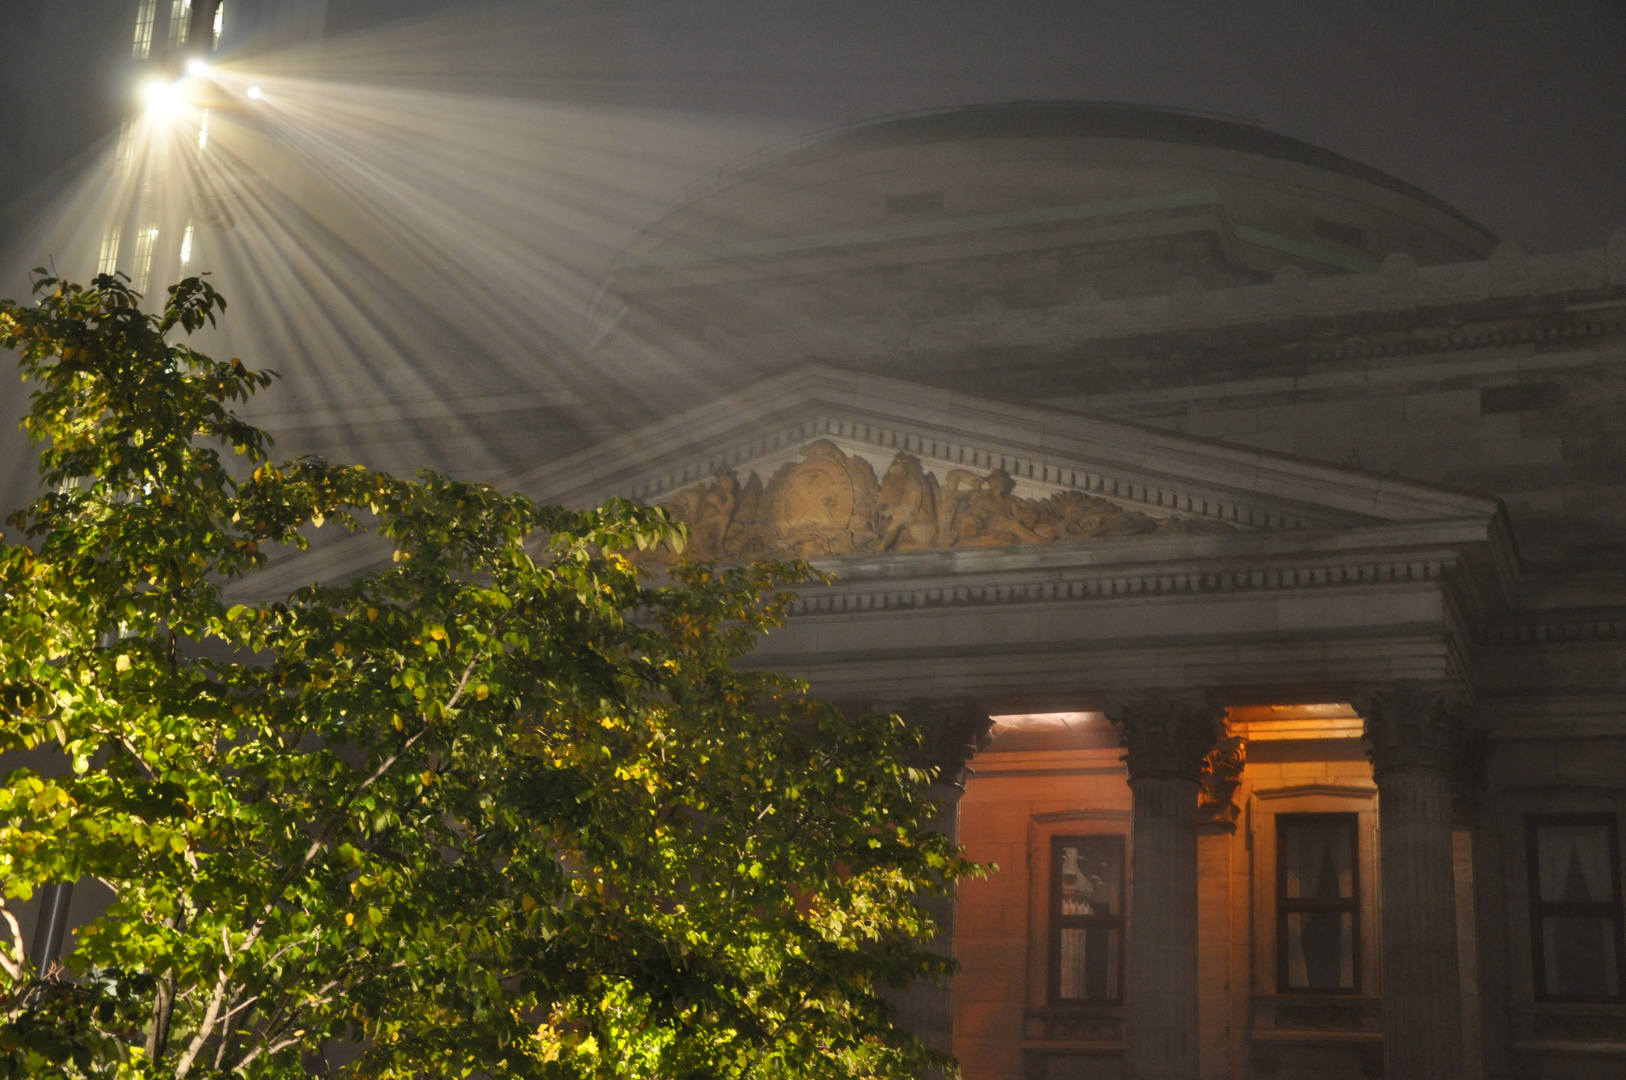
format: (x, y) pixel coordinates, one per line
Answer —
(254, 92)
(196, 67)
(162, 98)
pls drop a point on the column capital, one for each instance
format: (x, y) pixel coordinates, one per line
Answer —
(952, 732)
(1413, 725)
(1167, 735)
(1222, 775)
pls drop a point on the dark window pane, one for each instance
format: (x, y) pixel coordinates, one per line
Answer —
(1318, 860)
(1575, 909)
(1090, 873)
(1089, 964)
(1086, 911)
(1321, 950)
(1580, 955)
(1575, 863)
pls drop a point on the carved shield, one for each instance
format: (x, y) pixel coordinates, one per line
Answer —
(822, 505)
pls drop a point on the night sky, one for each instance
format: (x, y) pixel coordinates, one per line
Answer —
(1515, 113)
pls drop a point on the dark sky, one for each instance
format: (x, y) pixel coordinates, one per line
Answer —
(1516, 113)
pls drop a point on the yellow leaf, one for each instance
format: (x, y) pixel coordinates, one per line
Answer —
(372, 614)
(427, 778)
(482, 692)
(395, 718)
(338, 648)
(349, 919)
(438, 634)
(122, 663)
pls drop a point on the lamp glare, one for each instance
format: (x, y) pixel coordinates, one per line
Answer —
(196, 67)
(162, 98)
(254, 92)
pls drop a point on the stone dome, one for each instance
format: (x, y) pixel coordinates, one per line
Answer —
(1006, 207)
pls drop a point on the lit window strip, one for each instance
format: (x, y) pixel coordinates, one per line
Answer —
(146, 15)
(220, 23)
(180, 13)
(109, 260)
(186, 245)
(145, 241)
(124, 157)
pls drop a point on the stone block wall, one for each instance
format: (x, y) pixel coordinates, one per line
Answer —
(1542, 428)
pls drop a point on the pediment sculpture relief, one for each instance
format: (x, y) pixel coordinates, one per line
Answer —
(831, 503)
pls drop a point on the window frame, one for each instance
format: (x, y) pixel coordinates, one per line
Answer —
(1286, 905)
(1059, 922)
(1613, 909)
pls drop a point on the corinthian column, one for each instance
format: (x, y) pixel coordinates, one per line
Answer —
(1168, 739)
(1414, 731)
(952, 733)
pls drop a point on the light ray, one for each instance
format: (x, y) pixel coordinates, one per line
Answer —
(417, 257)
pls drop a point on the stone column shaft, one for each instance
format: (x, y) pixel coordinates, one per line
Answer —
(1414, 732)
(1168, 740)
(952, 733)
(1161, 990)
(926, 1009)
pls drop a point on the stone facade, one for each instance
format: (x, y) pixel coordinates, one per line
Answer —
(1334, 536)
(1302, 646)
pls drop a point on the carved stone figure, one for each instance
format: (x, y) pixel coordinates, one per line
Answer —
(1073, 514)
(906, 511)
(830, 503)
(716, 511)
(984, 513)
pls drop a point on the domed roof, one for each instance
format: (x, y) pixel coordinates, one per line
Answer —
(1020, 205)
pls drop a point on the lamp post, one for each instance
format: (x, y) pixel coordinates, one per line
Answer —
(52, 927)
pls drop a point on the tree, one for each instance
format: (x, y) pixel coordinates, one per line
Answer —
(503, 808)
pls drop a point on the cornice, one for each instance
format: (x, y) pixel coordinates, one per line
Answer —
(1363, 570)
(1557, 627)
(1138, 465)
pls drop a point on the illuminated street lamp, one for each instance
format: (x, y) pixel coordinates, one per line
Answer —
(162, 98)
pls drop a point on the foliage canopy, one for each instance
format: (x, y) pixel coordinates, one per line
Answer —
(503, 808)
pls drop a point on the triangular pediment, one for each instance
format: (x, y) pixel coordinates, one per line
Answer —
(824, 462)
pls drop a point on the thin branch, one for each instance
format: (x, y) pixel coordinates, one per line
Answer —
(238, 1008)
(13, 968)
(267, 1048)
(130, 749)
(225, 1027)
(206, 1026)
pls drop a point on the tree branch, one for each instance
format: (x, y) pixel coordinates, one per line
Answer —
(206, 1026)
(14, 968)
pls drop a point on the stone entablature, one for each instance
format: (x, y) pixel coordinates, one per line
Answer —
(1161, 574)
